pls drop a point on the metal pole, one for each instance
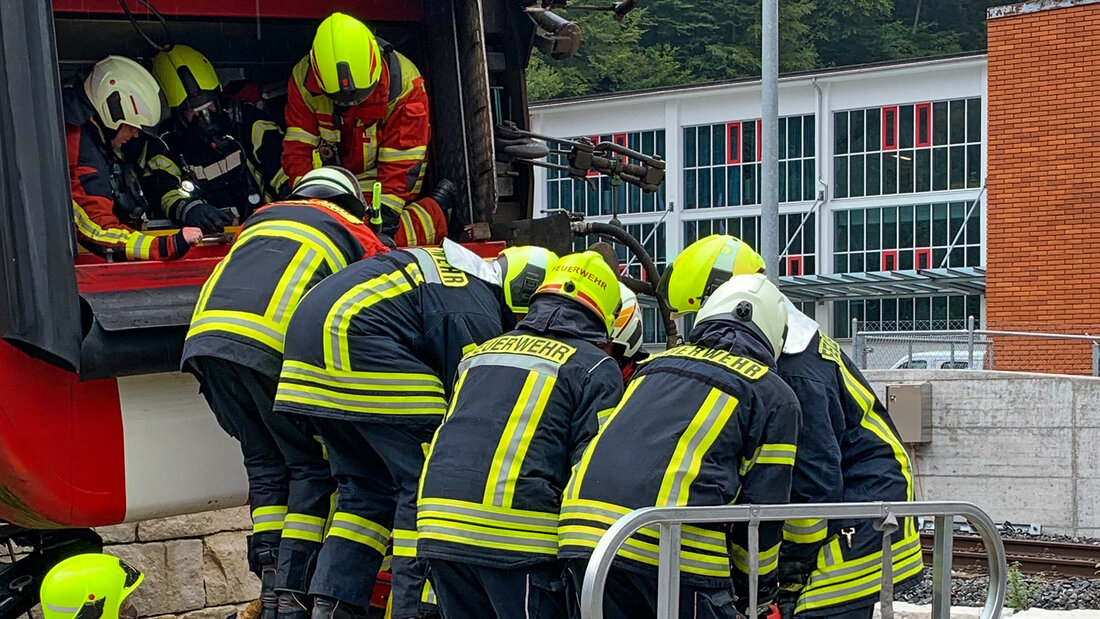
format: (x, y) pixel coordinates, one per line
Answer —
(1095, 358)
(855, 339)
(941, 567)
(970, 342)
(668, 570)
(769, 127)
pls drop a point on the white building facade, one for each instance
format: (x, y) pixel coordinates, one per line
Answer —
(881, 172)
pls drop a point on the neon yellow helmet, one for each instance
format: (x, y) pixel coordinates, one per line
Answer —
(89, 586)
(522, 270)
(346, 59)
(186, 77)
(586, 278)
(702, 267)
(123, 93)
(627, 330)
(753, 301)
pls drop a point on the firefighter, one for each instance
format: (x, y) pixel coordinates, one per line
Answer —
(525, 405)
(227, 150)
(235, 347)
(114, 164)
(706, 423)
(848, 450)
(370, 357)
(626, 336)
(90, 586)
(356, 102)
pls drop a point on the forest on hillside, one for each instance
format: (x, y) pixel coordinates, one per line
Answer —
(670, 42)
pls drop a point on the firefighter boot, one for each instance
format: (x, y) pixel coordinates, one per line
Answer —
(268, 598)
(445, 195)
(328, 608)
(293, 605)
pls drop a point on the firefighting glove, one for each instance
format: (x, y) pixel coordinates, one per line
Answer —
(204, 215)
(787, 600)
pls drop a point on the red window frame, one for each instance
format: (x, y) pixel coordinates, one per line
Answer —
(890, 138)
(620, 139)
(733, 146)
(759, 141)
(922, 252)
(892, 254)
(794, 265)
(926, 110)
(595, 140)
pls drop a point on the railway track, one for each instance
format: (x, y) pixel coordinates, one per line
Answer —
(1048, 558)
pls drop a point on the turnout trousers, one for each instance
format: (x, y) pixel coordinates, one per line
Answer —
(633, 595)
(468, 591)
(289, 484)
(377, 469)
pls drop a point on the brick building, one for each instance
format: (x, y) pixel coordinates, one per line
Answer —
(1043, 180)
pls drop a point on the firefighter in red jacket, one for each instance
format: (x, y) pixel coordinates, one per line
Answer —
(357, 103)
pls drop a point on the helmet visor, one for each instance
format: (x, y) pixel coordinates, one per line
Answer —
(348, 98)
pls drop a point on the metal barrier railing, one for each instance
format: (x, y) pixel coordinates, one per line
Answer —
(670, 519)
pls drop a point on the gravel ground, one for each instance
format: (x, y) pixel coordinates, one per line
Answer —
(1051, 538)
(1065, 594)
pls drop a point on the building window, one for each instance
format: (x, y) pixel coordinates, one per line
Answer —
(593, 196)
(722, 163)
(902, 238)
(932, 313)
(800, 257)
(931, 146)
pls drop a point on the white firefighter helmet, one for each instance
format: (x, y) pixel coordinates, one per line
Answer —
(627, 331)
(753, 301)
(123, 93)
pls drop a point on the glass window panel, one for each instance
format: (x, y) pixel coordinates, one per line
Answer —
(748, 230)
(939, 312)
(840, 133)
(748, 184)
(974, 120)
(939, 225)
(905, 226)
(840, 222)
(957, 212)
(842, 326)
(659, 148)
(733, 185)
(855, 219)
(855, 173)
(649, 202)
(840, 177)
(633, 199)
(794, 181)
(973, 257)
(956, 310)
(974, 165)
(809, 264)
(873, 311)
(958, 258)
(923, 168)
(905, 171)
(634, 140)
(718, 144)
(905, 126)
(808, 136)
(874, 136)
(704, 188)
(889, 173)
(957, 167)
(874, 174)
(840, 263)
(958, 121)
(808, 183)
(905, 315)
(782, 138)
(873, 228)
(939, 123)
(855, 129)
(974, 307)
(555, 194)
(718, 186)
(704, 146)
(890, 314)
(782, 181)
(856, 312)
(924, 226)
(690, 198)
(647, 141)
(855, 263)
(794, 137)
(939, 169)
(748, 141)
(889, 227)
(974, 226)
(905, 260)
(689, 147)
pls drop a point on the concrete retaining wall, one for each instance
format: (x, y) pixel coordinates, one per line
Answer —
(1024, 447)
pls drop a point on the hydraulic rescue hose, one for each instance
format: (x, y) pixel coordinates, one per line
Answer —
(617, 234)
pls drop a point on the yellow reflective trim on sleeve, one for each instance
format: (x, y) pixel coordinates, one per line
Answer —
(136, 245)
(395, 154)
(603, 416)
(426, 222)
(693, 444)
(769, 453)
(572, 489)
(268, 518)
(259, 129)
(805, 531)
(768, 562)
(161, 163)
(358, 298)
(297, 134)
(393, 202)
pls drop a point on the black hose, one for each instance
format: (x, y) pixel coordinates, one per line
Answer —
(620, 236)
(156, 13)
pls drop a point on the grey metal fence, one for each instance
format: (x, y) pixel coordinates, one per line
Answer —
(973, 349)
(669, 521)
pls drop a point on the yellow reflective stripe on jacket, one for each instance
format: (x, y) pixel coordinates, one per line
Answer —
(805, 531)
(398, 393)
(769, 453)
(355, 300)
(716, 565)
(259, 131)
(603, 416)
(298, 134)
(268, 518)
(693, 444)
(572, 489)
(359, 530)
(161, 163)
(404, 543)
(431, 508)
(469, 534)
(606, 514)
(516, 438)
(392, 201)
(249, 325)
(292, 284)
(768, 560)
(396, 154)
(845, 581)
(306, 235)
(364, 381)
(426, 223)
(137, 246)
(304, 527)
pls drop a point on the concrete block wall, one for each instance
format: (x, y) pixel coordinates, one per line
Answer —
(1021, 446)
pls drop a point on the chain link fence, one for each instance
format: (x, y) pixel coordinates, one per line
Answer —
(979, 349)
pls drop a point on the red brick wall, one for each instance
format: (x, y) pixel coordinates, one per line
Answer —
(1043, 244)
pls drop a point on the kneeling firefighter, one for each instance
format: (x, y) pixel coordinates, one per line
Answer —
(848, 450)
(235, 348)
(525, 405)
(706, 423)
(371, 354)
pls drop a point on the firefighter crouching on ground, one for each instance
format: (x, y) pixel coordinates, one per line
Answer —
(235, 346)
(228, 150)
(706, 423)
(524, 407)
(848, 450)
(112, 161)
(626, 335)
(370, 356)
(354, 101)
(90, 586)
